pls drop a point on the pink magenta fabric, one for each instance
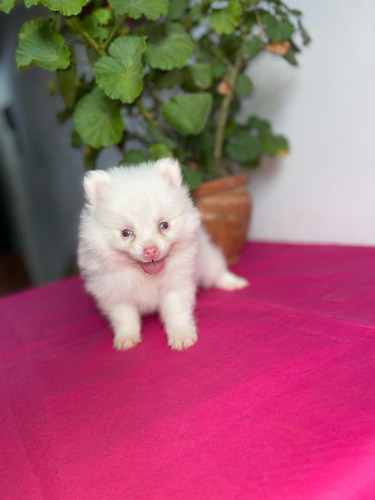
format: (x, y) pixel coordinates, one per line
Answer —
(275, 401)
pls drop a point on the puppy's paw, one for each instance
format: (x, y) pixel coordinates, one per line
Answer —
(229, 281)
(182, 338)
(124, 342)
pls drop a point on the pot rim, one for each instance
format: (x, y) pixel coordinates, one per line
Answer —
(211, 187)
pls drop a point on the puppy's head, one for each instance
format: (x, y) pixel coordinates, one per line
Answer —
(143, 213)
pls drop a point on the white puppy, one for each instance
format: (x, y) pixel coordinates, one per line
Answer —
(142, 249)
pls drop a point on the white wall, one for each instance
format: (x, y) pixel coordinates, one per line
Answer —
(324, 190)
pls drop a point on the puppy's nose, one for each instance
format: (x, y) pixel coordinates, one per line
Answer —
(151, 252)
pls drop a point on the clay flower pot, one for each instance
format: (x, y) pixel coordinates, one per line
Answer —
(225, 207)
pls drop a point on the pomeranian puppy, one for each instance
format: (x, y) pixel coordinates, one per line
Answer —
(142, 250)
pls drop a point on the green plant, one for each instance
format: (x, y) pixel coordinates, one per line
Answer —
(159, 78)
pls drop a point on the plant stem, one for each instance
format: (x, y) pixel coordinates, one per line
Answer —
(112, 34)
(223, 113)
(93, 43)
(259, 22)
(76, 26)
(146, 114)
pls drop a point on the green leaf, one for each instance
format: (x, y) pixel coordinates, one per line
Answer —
(231, 129)
(305, 36)
(120, 75)
(177, 9)
(243, 85)
(201, 75)
(7, 5)
(94, 23)
(75, 140)
(98, 120)
(277, 31)
(92, 55)
(133, 157)
(68, 84)
(258, 124)
(52, 87)
(204, 141)
(90, 156)
(243, 147)
(281, 10)
(291, 57)
(225, 21)
(168, 79)
(273, 145)
(65, 7)
(63, 116)
(200, 9)
(159, 150)
(187, 113)
(158, 136)
(228, 46)
(253, 46)
(218, 70)
(168, 47)
(152, 9)
(103, 16)
(235, 106)
(40, 44)
(193, 178)
(93, 27)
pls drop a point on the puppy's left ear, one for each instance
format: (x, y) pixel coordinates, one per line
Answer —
(170, 169)
(93, 183)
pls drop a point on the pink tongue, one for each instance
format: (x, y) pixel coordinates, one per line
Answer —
(154, 267)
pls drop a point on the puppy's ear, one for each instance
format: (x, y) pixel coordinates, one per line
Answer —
(93, 183)
(170, 169)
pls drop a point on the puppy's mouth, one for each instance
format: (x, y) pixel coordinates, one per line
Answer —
(154, 267)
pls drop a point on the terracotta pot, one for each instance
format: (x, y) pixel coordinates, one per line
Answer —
(225, 207)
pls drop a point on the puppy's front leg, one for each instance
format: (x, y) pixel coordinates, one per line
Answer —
(126, 325)
(176, 312)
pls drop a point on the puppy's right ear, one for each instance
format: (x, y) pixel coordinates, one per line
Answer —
(93, 183)
(169, 168)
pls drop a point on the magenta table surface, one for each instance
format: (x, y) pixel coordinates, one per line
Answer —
(275, 401)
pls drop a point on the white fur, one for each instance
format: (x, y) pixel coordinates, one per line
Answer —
(139, 198)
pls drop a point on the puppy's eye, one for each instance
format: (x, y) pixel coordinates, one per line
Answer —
(127, 233)
(163, 226)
